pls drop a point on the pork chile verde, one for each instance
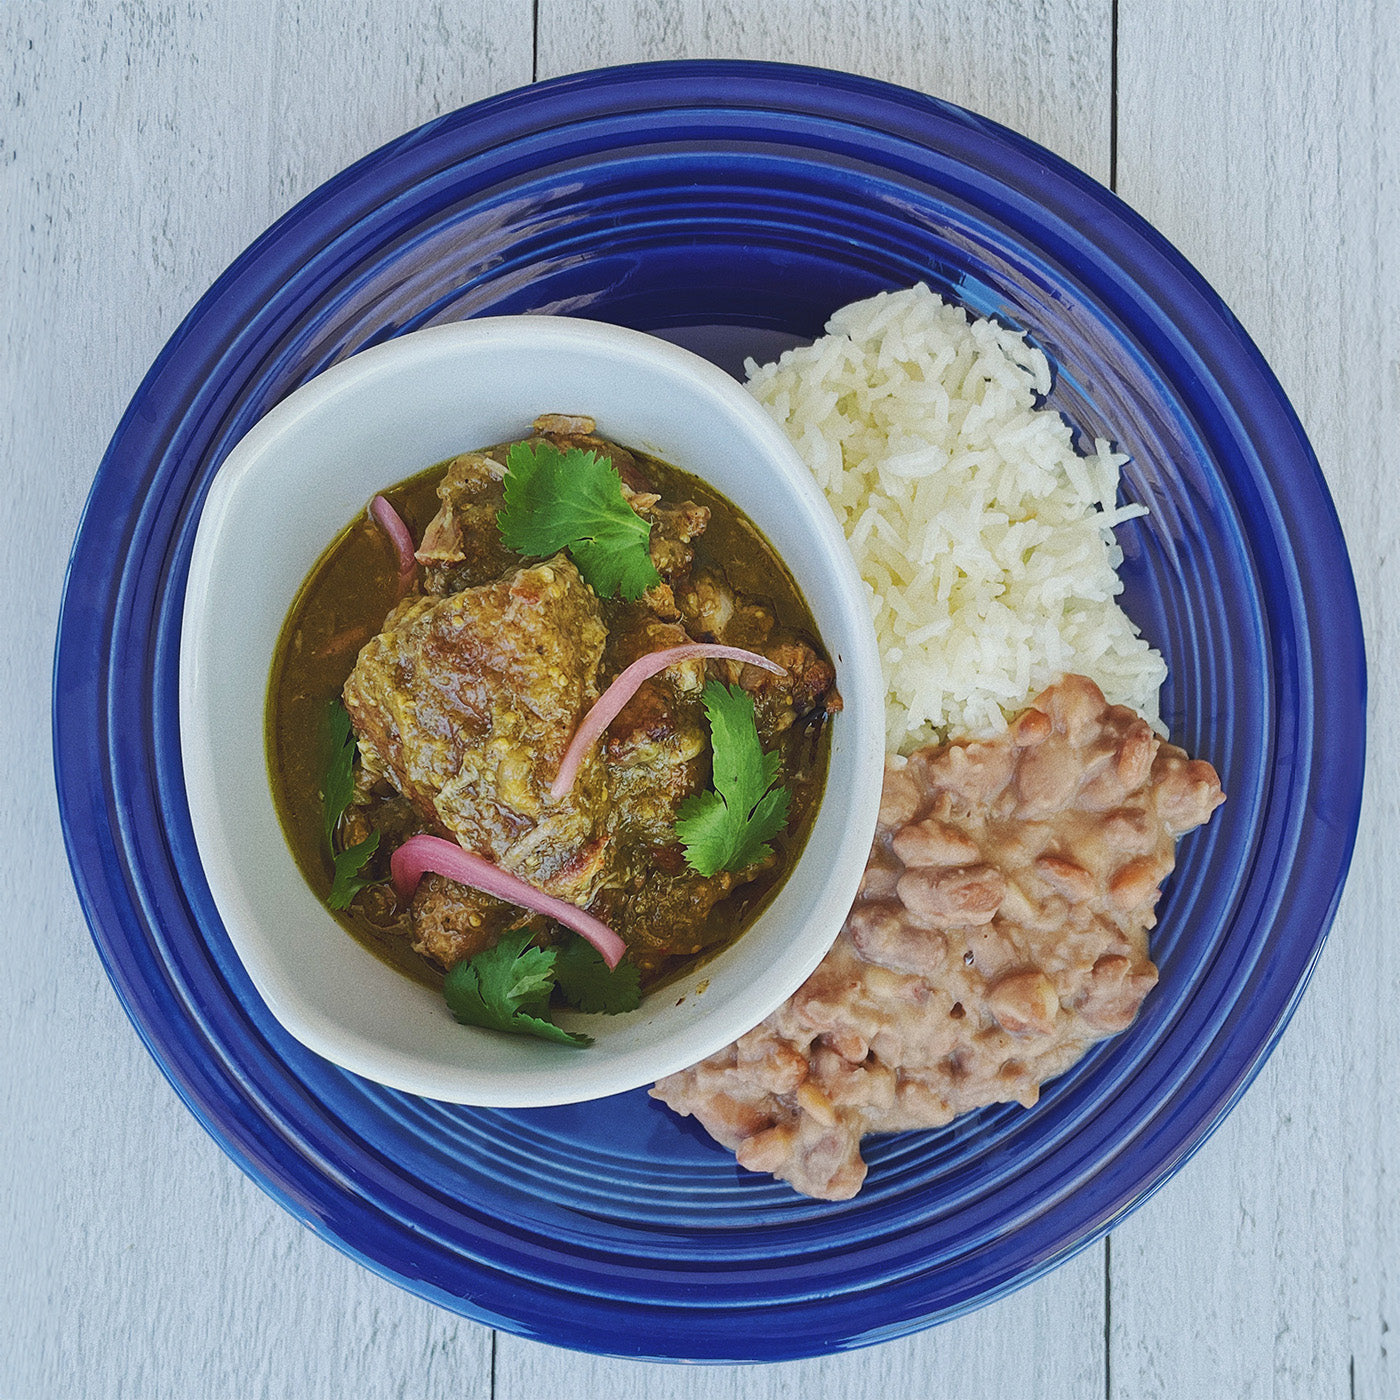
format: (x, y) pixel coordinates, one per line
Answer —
(433, 691)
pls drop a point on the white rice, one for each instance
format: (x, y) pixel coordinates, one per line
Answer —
(985, 540)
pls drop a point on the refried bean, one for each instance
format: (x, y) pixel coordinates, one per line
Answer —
(1000, 930)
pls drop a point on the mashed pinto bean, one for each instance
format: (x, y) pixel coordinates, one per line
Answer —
(1001, 929)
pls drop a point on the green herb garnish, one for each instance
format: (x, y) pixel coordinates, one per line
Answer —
(573, 500)
(348, 881)
(506, 988)
(588, 983)
(728, 829)
(336, 792)
(339, 784)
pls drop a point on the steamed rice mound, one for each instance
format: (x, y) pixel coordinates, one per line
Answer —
(984, 538)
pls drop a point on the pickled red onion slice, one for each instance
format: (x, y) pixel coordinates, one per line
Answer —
(611, 702)
(421, 854)
(389, 520)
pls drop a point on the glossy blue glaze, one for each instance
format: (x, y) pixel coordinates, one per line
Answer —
(732, 207)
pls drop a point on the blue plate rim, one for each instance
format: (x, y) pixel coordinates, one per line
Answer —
(1273, 423)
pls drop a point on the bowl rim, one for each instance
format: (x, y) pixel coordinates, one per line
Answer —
(575, 1077)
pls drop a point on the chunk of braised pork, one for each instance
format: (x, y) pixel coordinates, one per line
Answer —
(714, 611)
(655, 752)
(663, 722)
(466, 705)
(451, 922)
(462, 547)
(674, 525)
(654, 747)
(1000, 930)
(662, 908)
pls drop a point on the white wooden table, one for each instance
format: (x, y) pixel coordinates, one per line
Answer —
(143, 145)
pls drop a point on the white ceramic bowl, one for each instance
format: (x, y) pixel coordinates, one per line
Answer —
(279, 499)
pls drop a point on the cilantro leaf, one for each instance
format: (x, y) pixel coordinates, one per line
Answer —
(586, 981)
(348, 881)
(728, 829)
(337, 788)
(506, 988)
(573, 500)
(339, 784)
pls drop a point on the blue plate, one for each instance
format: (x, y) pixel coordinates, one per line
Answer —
(733, 207)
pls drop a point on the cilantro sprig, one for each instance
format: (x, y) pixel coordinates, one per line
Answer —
(728, 829)
(337, 788)
(339, 784)
(589, 984)
(507, 987)
(347, 881)
(573, 500)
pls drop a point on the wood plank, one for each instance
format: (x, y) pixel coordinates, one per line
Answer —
(140, 149)
(1045, 69)
(1045, 1341)
(1041, 66)
(1262, 140)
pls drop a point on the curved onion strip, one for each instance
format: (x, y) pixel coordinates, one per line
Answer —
(611, 702)
(421, 854)
(389, 520)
